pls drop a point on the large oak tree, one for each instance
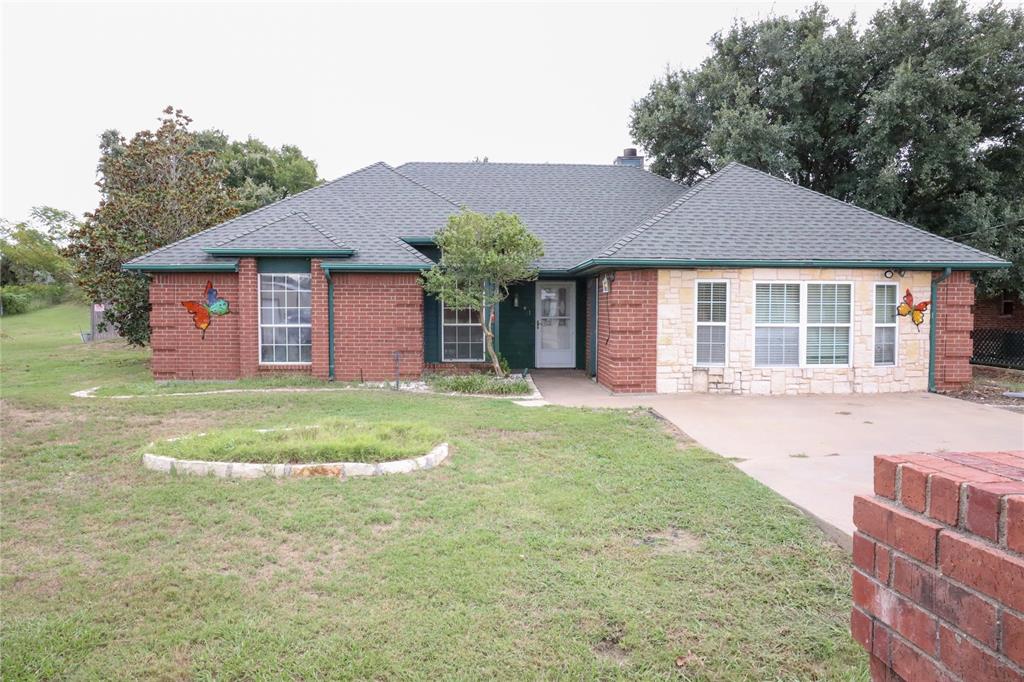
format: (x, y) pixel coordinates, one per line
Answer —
(919, 116)
(155, 189)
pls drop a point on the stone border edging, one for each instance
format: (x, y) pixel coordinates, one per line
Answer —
(340, 470)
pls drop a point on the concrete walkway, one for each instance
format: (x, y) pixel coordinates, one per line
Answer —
(814, 450)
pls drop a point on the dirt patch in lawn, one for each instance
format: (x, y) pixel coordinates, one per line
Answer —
(609, 649)
(671, 541)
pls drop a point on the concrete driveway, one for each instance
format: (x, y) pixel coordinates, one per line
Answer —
(814, 450)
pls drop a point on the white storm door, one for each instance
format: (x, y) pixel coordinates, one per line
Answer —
(556, 324)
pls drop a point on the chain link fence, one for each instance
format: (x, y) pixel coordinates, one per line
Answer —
(998, 348)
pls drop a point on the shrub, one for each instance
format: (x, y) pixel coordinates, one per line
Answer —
(21, 298)
(15, 302)
(478, 383)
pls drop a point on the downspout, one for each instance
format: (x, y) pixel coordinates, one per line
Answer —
(931, 327)
(330, 325)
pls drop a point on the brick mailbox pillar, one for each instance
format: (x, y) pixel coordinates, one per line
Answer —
(938, 578)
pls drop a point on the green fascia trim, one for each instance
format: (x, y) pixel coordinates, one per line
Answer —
(601, 263)
(418, 241)
(373, 267)
(343, 253)
(183, 267)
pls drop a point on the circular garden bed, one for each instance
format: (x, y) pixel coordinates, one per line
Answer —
(337, 448)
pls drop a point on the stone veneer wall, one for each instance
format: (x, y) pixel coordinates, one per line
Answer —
(676, 371)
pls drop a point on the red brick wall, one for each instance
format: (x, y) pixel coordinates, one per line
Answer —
(376, 314)
(938, 579)
(319, 319)
(627, 320)
(231, 347)
(953, 324)
(248, 318)
(180, 351)
(988, 315)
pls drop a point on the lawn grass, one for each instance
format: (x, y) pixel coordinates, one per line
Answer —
(555, 543)
(478, 384)
(330, 440)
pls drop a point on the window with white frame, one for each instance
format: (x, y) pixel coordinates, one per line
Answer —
(885, 324)
(462, 335)
(286, 332)
(712, 316)
(829, 310)
(776, 324)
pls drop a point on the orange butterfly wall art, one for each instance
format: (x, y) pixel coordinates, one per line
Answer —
(908, 307)
(204, 311)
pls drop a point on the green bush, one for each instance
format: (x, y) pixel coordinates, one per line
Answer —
(15, 302)
(478, 383)
(21, 298)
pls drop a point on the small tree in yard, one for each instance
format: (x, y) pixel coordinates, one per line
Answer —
(481, 257)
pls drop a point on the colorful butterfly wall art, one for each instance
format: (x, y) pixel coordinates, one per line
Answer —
(916, 312)
(203, 311)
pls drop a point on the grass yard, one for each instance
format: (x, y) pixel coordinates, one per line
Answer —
(329, 440)
(555, 543)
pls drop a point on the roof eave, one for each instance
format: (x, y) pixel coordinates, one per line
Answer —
(180, 267)
(597, 264)
(374, 267)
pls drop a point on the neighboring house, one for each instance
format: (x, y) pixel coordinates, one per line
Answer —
(999, 332)
(743, 283)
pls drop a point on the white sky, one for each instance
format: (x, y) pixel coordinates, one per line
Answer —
(350, 84)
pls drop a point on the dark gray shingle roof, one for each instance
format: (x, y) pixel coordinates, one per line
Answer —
(574, 209)
(295, 229)
(582, 213)
(366, 211)
(744, 214)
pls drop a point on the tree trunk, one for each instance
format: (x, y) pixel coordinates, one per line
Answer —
(488, 325)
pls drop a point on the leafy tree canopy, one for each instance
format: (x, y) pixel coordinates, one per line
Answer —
(481, 257)
(920, 116)
(260, 174)
(155, 189)
(30, 250)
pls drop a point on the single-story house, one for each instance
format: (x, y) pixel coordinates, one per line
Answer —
(743, 283)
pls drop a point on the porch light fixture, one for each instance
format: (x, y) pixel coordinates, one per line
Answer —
(606, 282)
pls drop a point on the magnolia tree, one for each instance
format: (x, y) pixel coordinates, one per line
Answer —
(481, 257)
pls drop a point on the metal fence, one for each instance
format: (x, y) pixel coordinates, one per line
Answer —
(998, 348)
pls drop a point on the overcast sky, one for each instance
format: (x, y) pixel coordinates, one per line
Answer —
(350, 84)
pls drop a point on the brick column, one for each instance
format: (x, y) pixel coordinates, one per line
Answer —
(248, 318)
(321, 346)
(938, 579)
(627, 320)
(954, 321)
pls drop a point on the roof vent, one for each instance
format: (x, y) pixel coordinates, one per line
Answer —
(629, 158)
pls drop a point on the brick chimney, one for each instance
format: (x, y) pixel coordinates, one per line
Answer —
(629, 158)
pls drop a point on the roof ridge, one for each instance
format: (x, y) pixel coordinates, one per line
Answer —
(257, 210)
(859, 208)
(312, 223)
(423, 186)
(301, 214)
(411, 249)
(661, 214)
